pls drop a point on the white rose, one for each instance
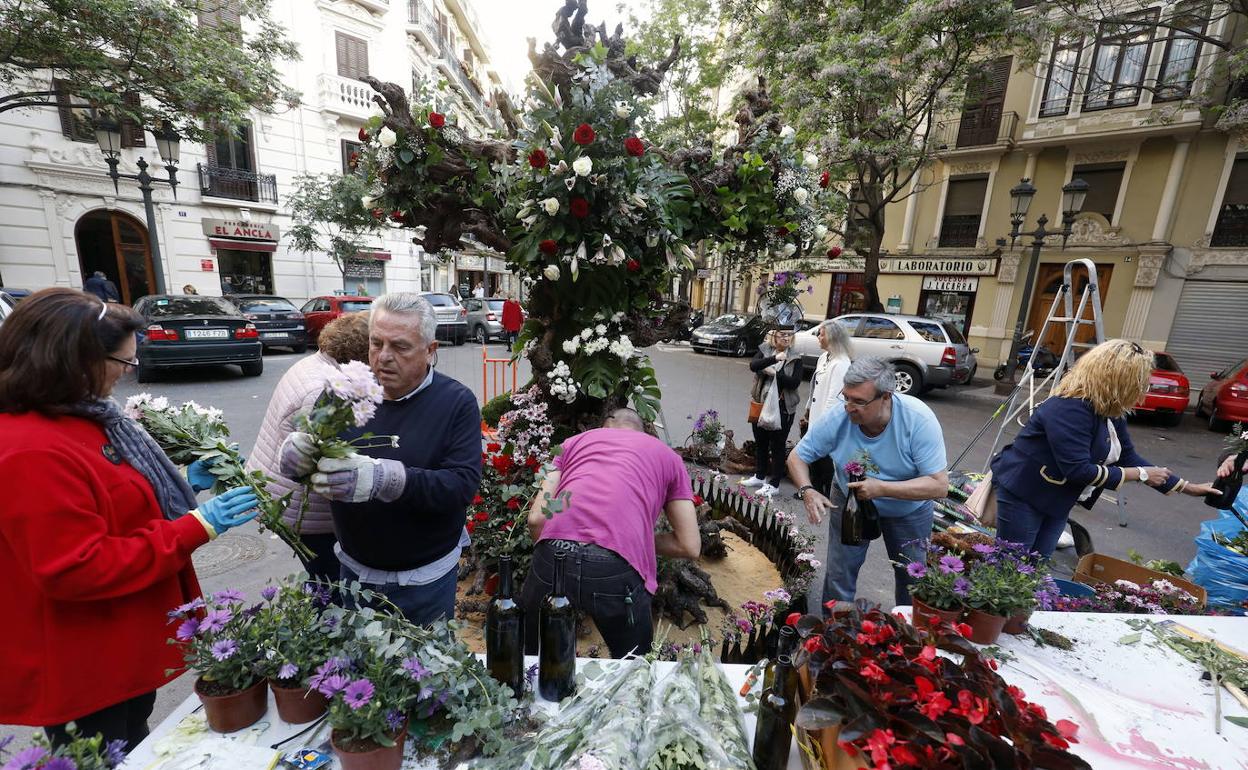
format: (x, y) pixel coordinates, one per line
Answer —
(387, 137)
(787, 133)
(788, 250)
(368, 201)
(801, 195)
(821, 231)
(623, 109)
(551, 205)
(551, 272)
(810, 160)
(583, 165)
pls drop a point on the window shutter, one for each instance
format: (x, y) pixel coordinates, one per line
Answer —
(1103, 180)
(63, 100)
(132, 133)
(1237, 185)
(966, 196)
(352, 54)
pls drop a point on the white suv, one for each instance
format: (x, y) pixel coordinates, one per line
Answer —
(926, 352)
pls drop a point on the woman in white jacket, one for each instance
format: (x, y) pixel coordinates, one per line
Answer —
(825, 391)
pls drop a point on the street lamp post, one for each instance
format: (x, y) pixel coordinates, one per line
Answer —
(108, 136)
(1073, 195)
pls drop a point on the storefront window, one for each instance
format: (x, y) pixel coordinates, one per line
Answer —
(245, 272)
(847, 294)
(365, 277)
(952, 307)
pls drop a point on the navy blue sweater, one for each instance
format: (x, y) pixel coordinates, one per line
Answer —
(439, 432)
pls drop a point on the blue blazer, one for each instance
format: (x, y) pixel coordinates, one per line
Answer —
(1061, 451)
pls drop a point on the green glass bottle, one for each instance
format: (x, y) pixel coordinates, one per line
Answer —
(556, 666)
(504, 633)
(773, 734)
(786, 647)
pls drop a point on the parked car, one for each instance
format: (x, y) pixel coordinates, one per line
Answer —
(1224, 399)
(6, 306)
(733, 333)
(452, 317)
(17, 295)
(926, 352)
(485, 318)
(319, 311)
(277, 319)
(185, 330)
(1168, 390)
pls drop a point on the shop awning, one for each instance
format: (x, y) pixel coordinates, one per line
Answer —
(382, 256)
(230, 243)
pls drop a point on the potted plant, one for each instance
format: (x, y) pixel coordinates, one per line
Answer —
(1004, 581)
(938, 586)
(219, 644)
(80, 753)
(707, 437)
(290, 629)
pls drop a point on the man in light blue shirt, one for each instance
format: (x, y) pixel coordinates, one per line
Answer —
(903, 447)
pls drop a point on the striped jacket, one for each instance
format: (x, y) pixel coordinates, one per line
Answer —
(1061, 451)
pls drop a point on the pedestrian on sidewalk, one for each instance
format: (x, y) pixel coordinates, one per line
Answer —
(617, 479)
(899, 440)
(399, 511)
(1075, 446)
(513, 320)
(99, 285)
(825, 392)
(773, 362)
(343, 339)
(97, 526)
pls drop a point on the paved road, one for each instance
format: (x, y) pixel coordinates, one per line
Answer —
(1159, 526)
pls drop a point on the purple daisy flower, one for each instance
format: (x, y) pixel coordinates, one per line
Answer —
(268, 593)
(287, 671)
(332, 685)
(115, 752)
(215, 621)
(916, 569)
(187, 629)
(358, 694)
(227, 596)
(961, 586)
(414, 669)
(394, 719)
(950, 564)
(224, 649)
(984, 548)
(186, 609)
(1026, 569)
(26, 758)
(59, 763)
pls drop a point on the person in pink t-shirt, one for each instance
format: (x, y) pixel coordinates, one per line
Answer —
(614, 481)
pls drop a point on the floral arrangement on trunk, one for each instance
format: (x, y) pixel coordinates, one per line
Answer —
(81, 753)
(190, 432)
(1158, 597)
(888, 698)
(219, 642)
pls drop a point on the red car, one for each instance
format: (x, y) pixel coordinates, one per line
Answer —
(1225, 399)
(1168, 390)
(319, 311)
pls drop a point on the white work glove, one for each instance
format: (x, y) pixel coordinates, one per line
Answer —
(356, 478)
(296, 458)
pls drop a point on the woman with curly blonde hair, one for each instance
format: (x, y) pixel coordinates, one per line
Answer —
(1075, 446)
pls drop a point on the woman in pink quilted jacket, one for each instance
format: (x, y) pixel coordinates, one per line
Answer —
(343, 339)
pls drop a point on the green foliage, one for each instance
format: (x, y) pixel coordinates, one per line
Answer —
(196, 76)
(494, 408)
(329, 216)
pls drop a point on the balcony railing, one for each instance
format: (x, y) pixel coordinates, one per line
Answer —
(345, 96)
(233, 183)
(959, 230)
(470, 89)
(1232, 226)
(420, 22)
(976, 129)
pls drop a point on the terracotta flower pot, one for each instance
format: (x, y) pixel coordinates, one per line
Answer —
(1017, 623)
(926, 616)
(357, 756)
(298, 705)
(985, 628)
(232, 712)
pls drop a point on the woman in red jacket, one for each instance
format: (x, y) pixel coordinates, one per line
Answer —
(97, 526)
(513, 319)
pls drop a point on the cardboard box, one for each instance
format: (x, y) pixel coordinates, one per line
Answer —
(1098, 568)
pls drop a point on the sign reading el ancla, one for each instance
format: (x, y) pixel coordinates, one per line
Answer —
(228, 228)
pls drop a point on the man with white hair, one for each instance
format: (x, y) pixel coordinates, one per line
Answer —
(899, 441)
(399, 512)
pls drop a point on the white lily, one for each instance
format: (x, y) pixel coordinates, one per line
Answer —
(551, 272)
(569, 183)
(618, 257)
(560, 168)
(623, 109)
(581, 253)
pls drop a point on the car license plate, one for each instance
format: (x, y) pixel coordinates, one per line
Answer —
(270, 335)
(207, 334)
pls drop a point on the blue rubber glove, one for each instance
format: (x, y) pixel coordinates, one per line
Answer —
(229, 509)
(200, 475)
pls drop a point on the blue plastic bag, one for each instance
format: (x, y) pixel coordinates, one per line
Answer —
(1219, 570)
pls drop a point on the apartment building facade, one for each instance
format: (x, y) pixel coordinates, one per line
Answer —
(226, 230)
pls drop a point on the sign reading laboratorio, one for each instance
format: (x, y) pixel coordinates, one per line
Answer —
(228, 228)
(959, 283)
(940, 265)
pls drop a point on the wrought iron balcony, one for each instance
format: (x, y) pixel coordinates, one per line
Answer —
(422, 25)
(233, 183)
(959, 230)
(1232, 226)
(979, 128)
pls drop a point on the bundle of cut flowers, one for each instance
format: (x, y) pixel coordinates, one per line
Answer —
(190, 432)
(80, 753)
(1158, 597)
(349, 400)
(899, 704)
(219, 641)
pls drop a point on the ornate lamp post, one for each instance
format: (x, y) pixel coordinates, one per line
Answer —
(108, 136)
(1073, 195)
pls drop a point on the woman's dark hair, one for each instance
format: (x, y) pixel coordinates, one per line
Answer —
(53, 348)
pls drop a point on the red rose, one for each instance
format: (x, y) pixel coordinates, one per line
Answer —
(379, 213)
(632, 265)
(825, 179)
(513, 503)
(698, 500)
(548, 247)
(363, 134)
(493, 446)
(507, 525)
(481, 516)
(634, 146)
(396, 215)
(834, 252)
(478, 500)
(792, 619)
(470, 526)
(579, 207)
(437, 119)
(537, 159)
(782, 231)
(584, 134)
